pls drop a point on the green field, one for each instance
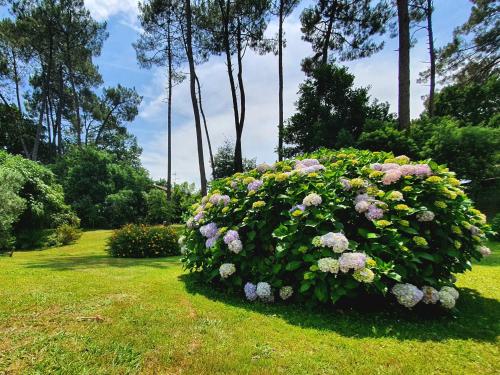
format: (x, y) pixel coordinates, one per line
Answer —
(156, 320)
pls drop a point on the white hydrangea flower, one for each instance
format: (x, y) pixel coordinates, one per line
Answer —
(431, 295)
(328, 265)
(362, 206)
(364, 275)
(447, 300)
(263, 167)
(407, 295)
(226, 270)
(312, 199)
(263, 290)
(336, 241)
(452, 291)
(426, 216)
(235, 246)
(286, 292)
(485, 251)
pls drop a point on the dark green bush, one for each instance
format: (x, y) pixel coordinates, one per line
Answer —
(142, 241)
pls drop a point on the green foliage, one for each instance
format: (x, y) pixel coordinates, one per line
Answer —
(328, 109)
(33, 198)
(104, 191)
(385, 136)
(141, 241)
(66, 234)
(415, 225)
(12, 206)
(473, 54)
(159, 210)
(495, 226)
(471, 151)
(224, 161)
(472, 103)
(354, 24)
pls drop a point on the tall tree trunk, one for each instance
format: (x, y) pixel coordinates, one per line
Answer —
(60, 107)
(18, 97)
(404, 64)
(205, 125)
(36, 143)
(44, 96)
(328, 35)
(432, 55)
(169, 112)
(280, 82)
(238, 154)
(76, 103)
(192, 85)
(224, 8)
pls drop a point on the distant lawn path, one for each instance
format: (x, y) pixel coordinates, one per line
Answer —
(157, 321)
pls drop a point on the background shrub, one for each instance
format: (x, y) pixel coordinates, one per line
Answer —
(66, 234)
(334, 225)
(141, 241)
(32, 200)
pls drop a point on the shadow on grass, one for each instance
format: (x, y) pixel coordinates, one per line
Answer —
(68, 263)
(476, 317)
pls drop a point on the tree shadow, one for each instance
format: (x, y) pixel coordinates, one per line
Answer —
(68, 262)
(476, 317)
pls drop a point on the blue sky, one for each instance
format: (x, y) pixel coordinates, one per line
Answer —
(118, 65)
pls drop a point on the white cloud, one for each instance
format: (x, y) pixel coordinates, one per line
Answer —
(102, 10)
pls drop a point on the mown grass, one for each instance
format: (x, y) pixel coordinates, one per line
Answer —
(157, 319)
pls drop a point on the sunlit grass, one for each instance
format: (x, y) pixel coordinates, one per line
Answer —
(156, 319)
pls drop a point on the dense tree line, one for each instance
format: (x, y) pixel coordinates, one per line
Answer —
(55, 109)
(50, 87)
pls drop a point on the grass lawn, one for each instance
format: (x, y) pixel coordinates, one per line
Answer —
(158, 321)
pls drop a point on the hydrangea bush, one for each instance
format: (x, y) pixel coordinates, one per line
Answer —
(337, 224)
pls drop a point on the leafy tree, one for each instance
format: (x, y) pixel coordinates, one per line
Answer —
(159, 209)
(224, 161)
(104, 192)
(473, 54)
(330, 111)
(345, 27)
(13, 206)
(474, 103)
(33, 198)
(471, 151)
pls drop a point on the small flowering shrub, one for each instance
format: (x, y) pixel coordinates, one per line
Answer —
(142, 241)
(337, 224)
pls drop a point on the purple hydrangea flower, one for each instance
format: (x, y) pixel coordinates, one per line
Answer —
(210, 230)
(198, 216)
(254, 185)
(211, 242)
(389, 166)
(353, 261)
(300, 207)
(422, 170)
(345, 184)
(250, 291)
(374, 213)
(230, 236)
